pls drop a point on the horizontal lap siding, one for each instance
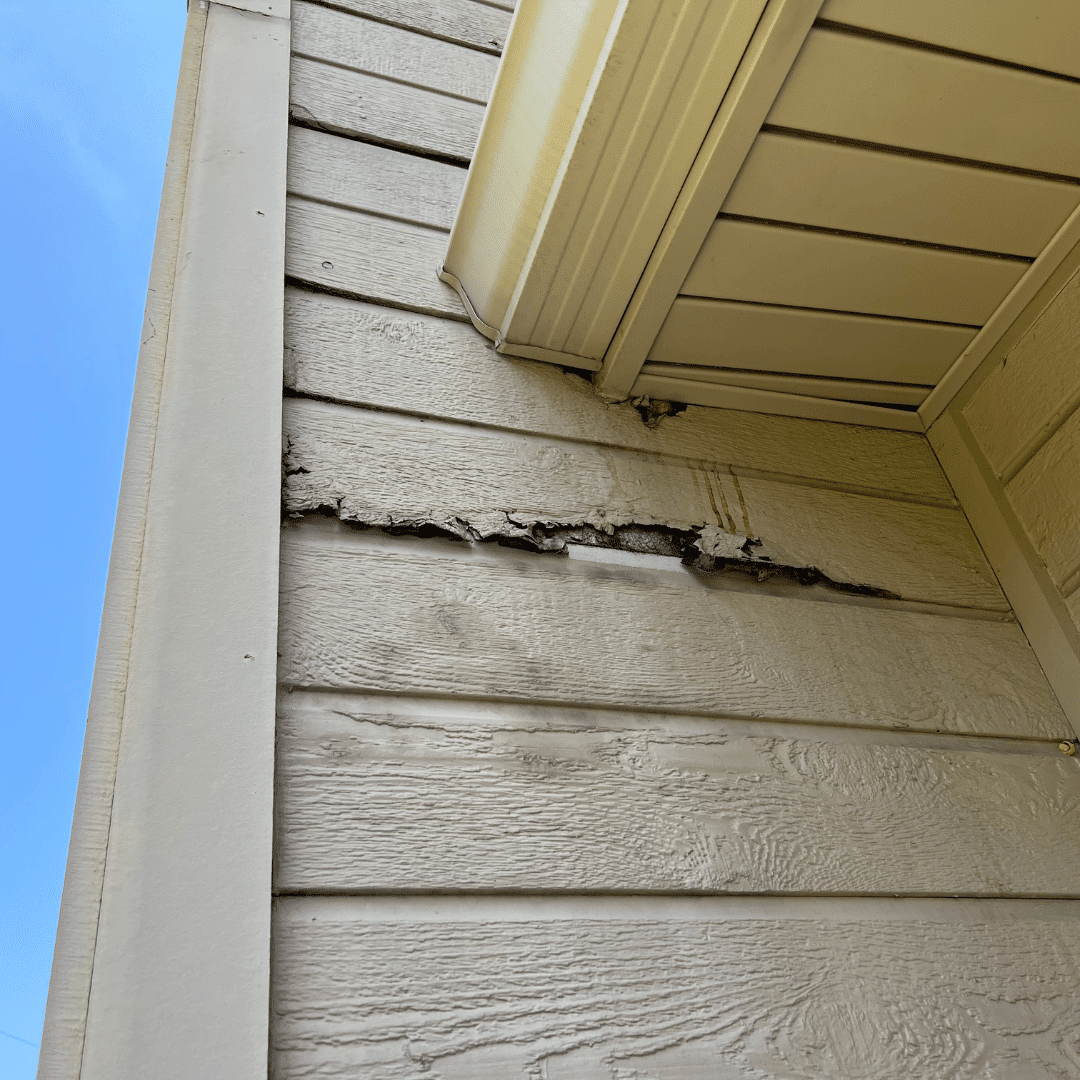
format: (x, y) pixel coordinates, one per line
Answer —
(380, 470)
(839, 992)
(378, 794)
(415, 751)
(1025, 418)
(372, 356)
(433, 618)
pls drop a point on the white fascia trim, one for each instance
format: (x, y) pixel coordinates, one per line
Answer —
(161, 968)
(596, 118)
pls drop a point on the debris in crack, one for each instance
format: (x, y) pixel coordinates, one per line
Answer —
(705, 549)
(653, 411)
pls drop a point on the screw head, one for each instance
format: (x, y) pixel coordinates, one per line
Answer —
(1067, 748)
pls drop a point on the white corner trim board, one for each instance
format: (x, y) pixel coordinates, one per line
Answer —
(162, 961)
(595, 122)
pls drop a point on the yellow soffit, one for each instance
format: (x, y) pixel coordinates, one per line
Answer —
(601, 111)
(597, 203)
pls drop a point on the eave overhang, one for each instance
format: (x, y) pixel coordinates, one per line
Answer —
(776, 205)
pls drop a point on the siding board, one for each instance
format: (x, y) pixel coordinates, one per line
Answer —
(366, 107)
(400, 794)
(370, 257)
(1046, 497)
(477, 25)
(375, 48)
(361, 613)
(361, 176)
(380, 470)
(397, 360)
(679, 989)
(1031, 393)
(743, 260)
(857, 87)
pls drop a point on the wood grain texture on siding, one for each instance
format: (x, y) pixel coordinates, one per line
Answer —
(1034, 33)
(362, 991)
(722, 333)
(371, 257)
(466, 22)
(853, 188)
(374, 48)
(742, 260)
(1032, 392)
(397, 360)
(368, 107)
(367, 613)
(393, 795)
(362, 176)
(882, 92)
(1046, 497)
(380, 469)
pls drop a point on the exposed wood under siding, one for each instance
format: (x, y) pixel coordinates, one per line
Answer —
(375, 48)
(385, 359)
(743, 260)
(881, 92)
(360, 176)
(383, 470)
(369, 257)
(402, 794)
(1035, 33)
(368, 107)
(680, 989)
(722, 333)
(364, 613)
(1030, 394)
(466, 22)
(856, 189)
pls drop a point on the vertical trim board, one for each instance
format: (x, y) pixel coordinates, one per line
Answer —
(181, 963)
(73, 957)
(1025, 581)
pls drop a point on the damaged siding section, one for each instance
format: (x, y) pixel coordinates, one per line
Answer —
(538, 650)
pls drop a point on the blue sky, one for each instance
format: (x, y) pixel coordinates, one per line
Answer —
(86, 93)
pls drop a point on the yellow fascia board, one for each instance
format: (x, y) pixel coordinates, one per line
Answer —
(596, 118)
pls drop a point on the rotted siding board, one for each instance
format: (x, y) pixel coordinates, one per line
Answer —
(835, 186)
(368, 107)
(742, 260)
(1034, 33)
(1046, 496)
(361, 176)
(478, 25)
(1034, 390)
(380, 469)
(679, 988)
(407, 794)
(396, 360)
(374, 48)
(877, 91)
(369, 257)
(362, 612)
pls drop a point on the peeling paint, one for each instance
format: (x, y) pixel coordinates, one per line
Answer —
(707, 549)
